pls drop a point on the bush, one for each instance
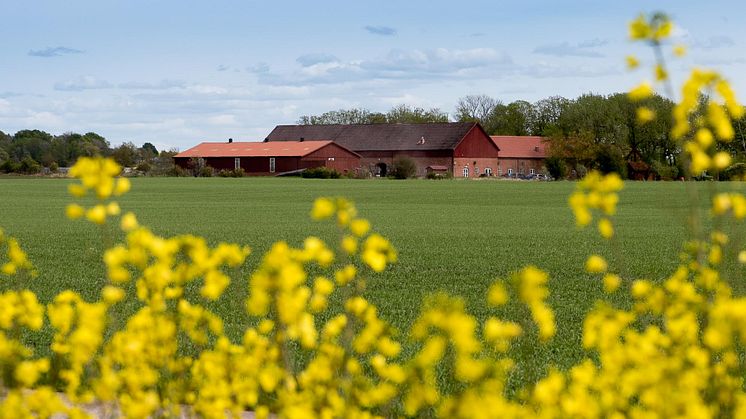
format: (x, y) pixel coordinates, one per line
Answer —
(556, 167)
(403, 168)
(610, 159)
(54, 167)
(736, 171)
(10, 166)
(665, 171)
(29, 166)
(231, 173)
(439, 176)
(320, 173)
(205, 171)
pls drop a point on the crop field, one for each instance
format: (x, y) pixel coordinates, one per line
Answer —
(452, 236)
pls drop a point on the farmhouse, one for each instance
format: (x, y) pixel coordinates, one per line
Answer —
(520, 155)
(462, 148)
(262, 158)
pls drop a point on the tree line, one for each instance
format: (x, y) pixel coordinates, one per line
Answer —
(34, 151)
(591, 131)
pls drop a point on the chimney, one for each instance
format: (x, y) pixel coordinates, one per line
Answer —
(266, 140)
(230, 140)
(302, 139)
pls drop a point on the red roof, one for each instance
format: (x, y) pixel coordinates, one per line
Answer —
(255, 149)
(524, 147)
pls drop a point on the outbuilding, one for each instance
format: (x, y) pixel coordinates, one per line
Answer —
(461, 148)
(520, 155)
(264, 158)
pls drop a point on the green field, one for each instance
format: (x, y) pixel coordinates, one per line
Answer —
(453, 236)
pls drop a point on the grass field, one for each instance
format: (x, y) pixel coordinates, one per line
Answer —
(453, 236)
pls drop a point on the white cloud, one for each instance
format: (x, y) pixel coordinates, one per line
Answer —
(566, 49)
(226, 119)
(82, 83)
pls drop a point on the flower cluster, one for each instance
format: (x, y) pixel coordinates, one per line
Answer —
(703, 114)
(98, 176)
(599, 192)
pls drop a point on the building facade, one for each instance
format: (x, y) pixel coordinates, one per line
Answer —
(462, 148)
(520, 155)
(268, 159)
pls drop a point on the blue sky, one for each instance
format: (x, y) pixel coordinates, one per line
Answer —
(175, 73)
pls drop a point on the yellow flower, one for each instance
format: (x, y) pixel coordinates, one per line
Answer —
(679, 50)
(742, 257)
(497, 295)
(323, 208)
(645, 115)
(639, 28)
(74, 211)
(129, 222)
(595, 264)
(122, 187)
(605, 228)
(113, 208)
(641, 92)
(611, 282)
(359, 227)
(112, 295)
(632, 62)
(97, 214)
(660, 73)
(721, 160)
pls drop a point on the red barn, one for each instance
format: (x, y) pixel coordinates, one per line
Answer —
(270, 158)
(520, 155)
(462, 148)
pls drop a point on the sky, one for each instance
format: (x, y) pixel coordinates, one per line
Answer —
(176, 73)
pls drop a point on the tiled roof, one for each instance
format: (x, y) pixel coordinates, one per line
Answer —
(523, 147)
(254, 149)
(379, 137)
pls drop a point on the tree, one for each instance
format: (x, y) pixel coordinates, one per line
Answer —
(341, 116)
(475, 108)
(403, 168)
(126, 154)
(149, 148)
(412, 115)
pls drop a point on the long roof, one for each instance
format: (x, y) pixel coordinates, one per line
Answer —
(254, 149)
(379, 137)
(523, 147)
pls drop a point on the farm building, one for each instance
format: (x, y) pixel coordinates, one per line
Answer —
(462, 148)
(520, 155)
(262, 158)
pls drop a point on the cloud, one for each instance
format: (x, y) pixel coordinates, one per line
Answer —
(565, 49)
(82, 83)
(223, 67)
(713, 42)
(308, 60)
(54, 52)
(161, 85)
(381, 30)
(258, 68)
(397, 64)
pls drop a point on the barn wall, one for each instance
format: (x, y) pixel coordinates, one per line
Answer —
(519, 166)
(476, 144)
(421, 158)
(477, 166)
(333, 157)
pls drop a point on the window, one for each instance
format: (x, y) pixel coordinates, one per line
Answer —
(466, 171)
(533, 172)
(476, 171)
(271, 165)
(510, 172)
(488, 171)
(237, 163)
